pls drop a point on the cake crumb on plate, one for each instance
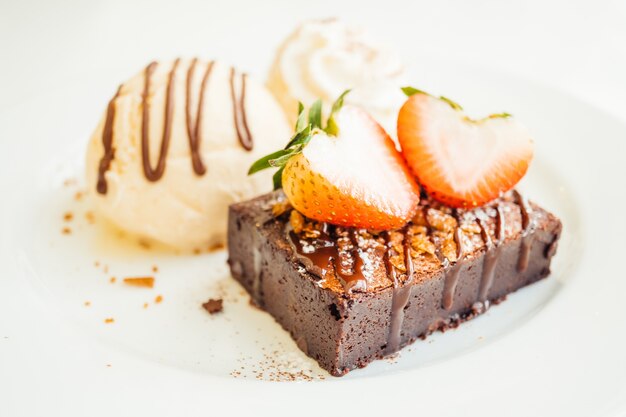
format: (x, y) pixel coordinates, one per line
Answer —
(146, 282)
(213, 306)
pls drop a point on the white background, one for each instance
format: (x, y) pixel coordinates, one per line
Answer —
(578, 46)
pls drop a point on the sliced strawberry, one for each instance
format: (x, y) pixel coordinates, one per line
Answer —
(459, 161)
(356, 178)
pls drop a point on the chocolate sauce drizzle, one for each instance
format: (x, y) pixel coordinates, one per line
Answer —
(325, 255)
(335, 251)
(107, 143)
(491, 255)
(355, 281)
(528, 226)
(156, 173)
(401, 292)
(194, 127)
(452, 275)
(239, 111)
(194, 130)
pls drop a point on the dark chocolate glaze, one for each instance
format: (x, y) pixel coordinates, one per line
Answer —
(107, 143)
(492, 253)
(239, 112)
(348, 332)
(355, 280)
(400, 295)
(194, 127)
(452, 274)
(391, 270)
(551, 250)
(527, 229)
(320, 256)
(154, 174)
(452, 279)
(327, 254)
(429, 227)
(348, 265)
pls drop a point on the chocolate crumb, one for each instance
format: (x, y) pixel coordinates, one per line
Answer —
(213, 306)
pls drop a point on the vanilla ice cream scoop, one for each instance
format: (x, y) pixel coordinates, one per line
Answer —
(321, 59)
(173, 149)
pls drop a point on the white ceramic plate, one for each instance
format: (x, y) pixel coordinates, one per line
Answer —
(555, 348)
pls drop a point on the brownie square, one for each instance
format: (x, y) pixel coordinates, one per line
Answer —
(351, 296)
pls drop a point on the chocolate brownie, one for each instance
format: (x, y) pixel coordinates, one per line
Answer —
(350, 296)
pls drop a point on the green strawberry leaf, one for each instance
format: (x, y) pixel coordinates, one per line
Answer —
(306, 126)
(315, 114)
(409, 91)
(300, 137)
(500, 116)
(453, 104)
(301, 122)
(264, 162)
(281, 161)
(277, 178)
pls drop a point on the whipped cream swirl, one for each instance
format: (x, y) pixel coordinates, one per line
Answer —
(321, 59)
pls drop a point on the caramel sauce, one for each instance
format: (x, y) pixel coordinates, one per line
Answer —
(324, 258)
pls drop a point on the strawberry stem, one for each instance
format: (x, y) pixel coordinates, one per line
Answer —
(409, 91)
(331, 125)
(306, 127)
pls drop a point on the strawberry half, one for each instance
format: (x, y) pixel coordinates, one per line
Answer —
(348, 174)
(459, 161)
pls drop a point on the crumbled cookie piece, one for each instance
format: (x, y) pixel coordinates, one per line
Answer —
(147, 282)
(213, 306)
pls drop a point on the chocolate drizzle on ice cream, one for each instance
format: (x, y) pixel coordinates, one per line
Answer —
(194, 124)
(107, 143)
